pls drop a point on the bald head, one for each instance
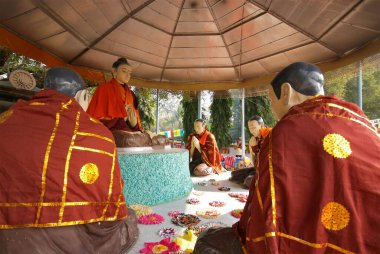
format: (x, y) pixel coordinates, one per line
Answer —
(63, 80)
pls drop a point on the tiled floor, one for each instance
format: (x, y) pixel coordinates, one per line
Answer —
(149, 233)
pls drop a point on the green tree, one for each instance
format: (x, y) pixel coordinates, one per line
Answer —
(257, 105)
(11, 61)
(235, 131)
(220, 120)
(335, 81)
(147, 107)
(370, 93)
(189, 114)
(169, 113)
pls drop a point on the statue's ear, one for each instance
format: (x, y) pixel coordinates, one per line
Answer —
(113, 71)
(286, 94)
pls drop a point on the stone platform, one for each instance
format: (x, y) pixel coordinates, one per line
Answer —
(154, 176)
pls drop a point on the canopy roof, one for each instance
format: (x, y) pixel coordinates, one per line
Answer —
(194, 40)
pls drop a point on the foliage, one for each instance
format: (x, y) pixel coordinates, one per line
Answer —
(189, 114)
(370, 93)
(4, 54)
(147, 107)
(220, 119)
(235, 131)
(170, 110)
(257, 105)
(90, 84)
(11, 61)
(344, 83)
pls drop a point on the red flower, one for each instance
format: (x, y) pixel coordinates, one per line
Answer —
(162, 247)
(152, 218)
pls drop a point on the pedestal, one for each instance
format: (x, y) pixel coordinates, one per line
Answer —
(154, 176)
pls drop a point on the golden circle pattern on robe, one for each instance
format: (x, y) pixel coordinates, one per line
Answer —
(335, 216)
(337, 146)
(89, 173)
(5, 115)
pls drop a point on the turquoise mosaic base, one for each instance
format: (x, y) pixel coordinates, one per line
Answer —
(154, 178)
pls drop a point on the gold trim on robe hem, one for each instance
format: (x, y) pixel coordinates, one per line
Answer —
(80, 133)
(272, 188)
(71, 203)
(299, 240)
(111, 182)
(36, 103)
(67, 167)
(45, 165)
(59, 224)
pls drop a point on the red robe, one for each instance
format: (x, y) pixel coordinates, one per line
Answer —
(209, 147)
(108, 105)
(58, 166)
(317, 183)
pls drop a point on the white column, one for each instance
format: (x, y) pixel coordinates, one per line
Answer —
(242, 122)
(157, 109)
(200, 105)
(360, 86)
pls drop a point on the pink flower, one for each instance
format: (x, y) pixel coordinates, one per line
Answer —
(152, 218)
(174, 213)
(162, 247)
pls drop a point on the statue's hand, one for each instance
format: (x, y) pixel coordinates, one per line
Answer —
(252, 142)
(131, 118)
(196, 144)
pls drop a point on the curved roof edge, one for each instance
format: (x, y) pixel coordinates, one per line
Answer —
(21, 46)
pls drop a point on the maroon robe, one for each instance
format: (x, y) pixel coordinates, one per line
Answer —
(317, 184)
(59, 171)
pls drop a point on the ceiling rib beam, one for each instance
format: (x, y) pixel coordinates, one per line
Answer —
(221, 35)
(277, 53)
(295, 27)
(138, 9)
(151, 25)
(19, 15)
(129, 58)
(171, 41)
(249, 50)
(54, 16)
(343, 16)
(237, 24)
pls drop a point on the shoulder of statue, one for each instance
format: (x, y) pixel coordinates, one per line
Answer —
(211, 136)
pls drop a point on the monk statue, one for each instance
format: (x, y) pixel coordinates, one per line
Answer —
(204, 152)
(116, 106)
(258, 130)
(61, 188)
(318, 171)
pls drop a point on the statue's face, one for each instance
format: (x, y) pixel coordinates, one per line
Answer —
(122, 74)
(254, 128)
(199, 127)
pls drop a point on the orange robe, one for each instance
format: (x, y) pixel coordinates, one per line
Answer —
(317, 183)
(210, 151)
(259, 141)
(108, 103)
(58, 166)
